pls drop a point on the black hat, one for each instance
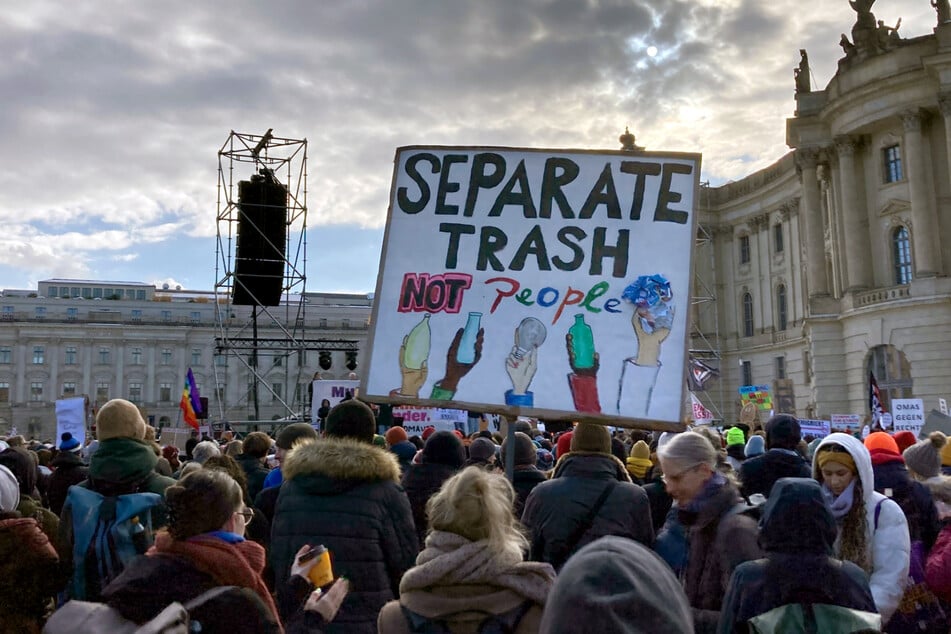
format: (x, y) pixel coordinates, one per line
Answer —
(783, 432)
(292, 433)
(351, 419)
(444, 447)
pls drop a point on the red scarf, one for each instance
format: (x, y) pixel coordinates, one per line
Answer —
(238, 564)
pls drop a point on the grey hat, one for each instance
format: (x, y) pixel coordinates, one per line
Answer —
(924, 457)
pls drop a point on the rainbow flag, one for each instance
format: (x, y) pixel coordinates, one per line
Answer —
(191, 400)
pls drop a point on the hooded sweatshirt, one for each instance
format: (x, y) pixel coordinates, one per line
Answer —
(888, 544)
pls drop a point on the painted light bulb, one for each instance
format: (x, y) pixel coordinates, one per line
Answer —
(531, 334)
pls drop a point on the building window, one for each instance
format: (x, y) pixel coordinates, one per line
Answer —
(69, 389)
(220, 392)
(39, 355)
(892, 162)
(892, 373)
(747, 367)
(778, 242)
(301, 358)
(744, 249)
(52, 291)
(87, 293)
(74, 291)
(321, 323)
(166, 356)
(195, 316)
(299, 391)
(8, 313)
(166, 316)
(278, 389)
(72, 314)
(782, 314)
(221, 360)
(40, 312)
(36, 391)
(137, 356)
(136, 314)
(104, 356)
(165, 392)
(344, 323)
(4, 392)
(70, 355)
(901, 254)
(135, 392)
(747, 315)
(6, 355)
(780, 367)
(102, 393)
(196, 356)
(130, 293)
(278, 361)
(140, 295)
(97, 293)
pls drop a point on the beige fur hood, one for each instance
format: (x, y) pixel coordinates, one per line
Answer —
(341, 458)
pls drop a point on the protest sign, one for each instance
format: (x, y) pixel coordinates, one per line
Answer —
(758, 395)
(333, 391)
(846, 421)
(416, 419)
(701, 415)
(815, 428)
(545, 283)
(71, 417)
(177, 437)
(908, 414)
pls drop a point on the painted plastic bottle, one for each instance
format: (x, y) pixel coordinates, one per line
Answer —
(467, 352)
(582, 343)
(417, 344)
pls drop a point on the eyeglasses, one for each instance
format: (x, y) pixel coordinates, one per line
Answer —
(677, 477)
(246, 513)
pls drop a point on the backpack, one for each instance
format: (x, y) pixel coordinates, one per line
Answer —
(505, 623)
(815, 618)
(108, 531)
(919, 609)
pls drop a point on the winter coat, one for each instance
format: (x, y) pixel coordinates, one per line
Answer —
(30, 575)
(660, 500)
(914, 498)
(421, 482)
(69, 470)
(256, 472)
(718, 540)
(461, 583)
(345, 495)
(556, 509)
(798, 567)
(938, 565)
(889, 544)
(524, 482)
(757, 475)
(616, 585)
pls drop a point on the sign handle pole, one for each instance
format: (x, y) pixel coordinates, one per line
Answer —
(510, 454)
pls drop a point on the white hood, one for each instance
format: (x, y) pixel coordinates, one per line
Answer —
(863, 461)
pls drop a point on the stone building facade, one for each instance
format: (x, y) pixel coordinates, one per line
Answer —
(833, 262)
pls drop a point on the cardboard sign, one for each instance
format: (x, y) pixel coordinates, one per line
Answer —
(908, 414)
(71, 417)
(846, 421)
(815, 428)
(758, 395)
(545, 283)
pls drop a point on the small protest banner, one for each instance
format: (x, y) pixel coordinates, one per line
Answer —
(851, 422)
(330, 390)
(908, 414)
(815, 428)
(701, 415)
(71, 417)
(758, 395)
(546, 283)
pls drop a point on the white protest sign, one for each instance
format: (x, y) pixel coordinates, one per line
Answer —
(886, 420)
(815, 428)
(943, 406)
(71, 417)
(416, 419)
(543, 283)
(909, 414)
(333, 391)
(846, 421)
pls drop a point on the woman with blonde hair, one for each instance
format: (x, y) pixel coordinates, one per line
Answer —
(873, 531)
(471, 571)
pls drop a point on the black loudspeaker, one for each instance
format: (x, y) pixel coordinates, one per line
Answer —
(261, 241)
(203, 414)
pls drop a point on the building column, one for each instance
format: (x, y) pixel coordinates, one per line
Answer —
(761, 228)
(924, 234)
(808, 159)
(858, 262)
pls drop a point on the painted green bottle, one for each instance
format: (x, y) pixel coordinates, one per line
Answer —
(582, 343)
(417, 344)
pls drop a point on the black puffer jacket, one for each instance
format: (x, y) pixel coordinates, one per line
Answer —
(345, 495)
(256, 472)
(68, 470)
(524, 481)
(555, 509)
(421, 482)
(798, 567)
(914, 498)
(757, 475)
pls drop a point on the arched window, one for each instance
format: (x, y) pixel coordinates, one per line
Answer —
(892, 373)
(747, 315)
(782, 314)
(901, 255)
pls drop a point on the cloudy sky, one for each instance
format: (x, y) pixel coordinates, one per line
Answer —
(113, 112)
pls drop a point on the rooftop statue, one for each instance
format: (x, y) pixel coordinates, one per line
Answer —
(943, 9)
(802, 73)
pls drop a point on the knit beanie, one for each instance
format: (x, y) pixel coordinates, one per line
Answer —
(427, 432)
(640, 460)
(924, 457)
(292, 433)
(481, 449)
(755, 446)
(734, 436)
(351, 419)
(394, 435)
(444, 447)
(9, 490)
(904, 440)
(783, 432)
(525, 451)
(641, 450)
(545, 460)
(68, 443)
(881, 441)
(592, 438)
(563, 445)
(119, 419)
(379, 441)
(169, 452)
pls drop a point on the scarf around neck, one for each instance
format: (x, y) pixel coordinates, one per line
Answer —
(839, 505)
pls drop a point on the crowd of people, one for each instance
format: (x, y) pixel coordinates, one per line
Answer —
(348, 530)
